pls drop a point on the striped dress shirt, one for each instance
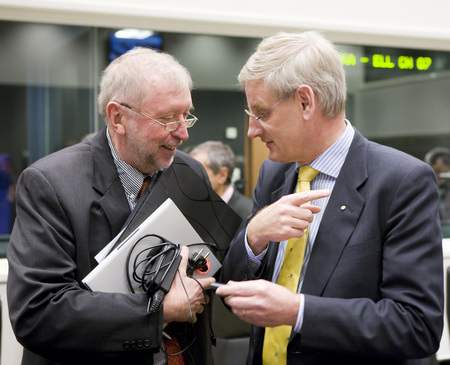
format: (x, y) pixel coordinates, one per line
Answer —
(130, 178)
(329, 165)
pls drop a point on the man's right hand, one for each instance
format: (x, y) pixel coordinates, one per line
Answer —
(287, 218)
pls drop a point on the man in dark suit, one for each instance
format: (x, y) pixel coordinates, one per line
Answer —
(72, 203)
(370, 288)
(219, 162)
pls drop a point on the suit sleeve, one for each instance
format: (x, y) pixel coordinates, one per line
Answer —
(51, 314)
(236, 265)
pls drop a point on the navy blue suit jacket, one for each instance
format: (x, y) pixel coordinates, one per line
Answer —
(374, 285)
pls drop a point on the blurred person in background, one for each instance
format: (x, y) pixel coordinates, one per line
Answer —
(439, 159)
(233, 334)
(218, 159)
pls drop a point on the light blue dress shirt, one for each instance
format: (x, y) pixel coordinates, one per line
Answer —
(329, 165)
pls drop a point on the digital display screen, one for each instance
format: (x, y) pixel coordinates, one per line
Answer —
(376, 60)
(380, 63)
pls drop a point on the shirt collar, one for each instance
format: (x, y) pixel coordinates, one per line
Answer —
(331, 161)
(226, 196)
(130, 178)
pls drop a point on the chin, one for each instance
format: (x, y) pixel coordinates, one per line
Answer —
(165, 164)
(274, 157)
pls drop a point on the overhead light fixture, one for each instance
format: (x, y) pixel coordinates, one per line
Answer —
(130, 33)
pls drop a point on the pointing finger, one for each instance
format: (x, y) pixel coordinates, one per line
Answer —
(307, 196)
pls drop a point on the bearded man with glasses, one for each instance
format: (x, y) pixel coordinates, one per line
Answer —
(72, 203)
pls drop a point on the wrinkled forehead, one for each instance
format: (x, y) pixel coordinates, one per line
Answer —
(258, 93)
(161, 98)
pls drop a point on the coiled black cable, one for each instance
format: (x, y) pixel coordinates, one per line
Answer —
(154, 269)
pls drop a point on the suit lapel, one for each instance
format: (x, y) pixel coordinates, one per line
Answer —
(290, 177)
(111, 209)
(339, 220)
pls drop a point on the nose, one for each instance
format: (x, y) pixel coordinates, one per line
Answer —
(181, 132)
(255, 128)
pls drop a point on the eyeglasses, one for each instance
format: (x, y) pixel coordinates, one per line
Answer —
(270, 109)
(171, 126)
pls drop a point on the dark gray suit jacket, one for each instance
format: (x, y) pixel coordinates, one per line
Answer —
(240, 204)
(374, 285)
(69, 206)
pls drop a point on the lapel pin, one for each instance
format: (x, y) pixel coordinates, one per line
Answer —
(343, 207)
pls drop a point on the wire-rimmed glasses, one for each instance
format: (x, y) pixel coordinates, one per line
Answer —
(171, 126)
(269, 110)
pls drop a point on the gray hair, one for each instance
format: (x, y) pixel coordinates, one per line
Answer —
(122, 80)
(438, 152)
(287, 61)
(219, 155)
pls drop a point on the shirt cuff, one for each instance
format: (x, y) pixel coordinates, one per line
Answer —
(301, 310)
(254, 261)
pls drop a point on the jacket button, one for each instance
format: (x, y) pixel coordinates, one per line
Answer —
(147, 342)
(126, 345)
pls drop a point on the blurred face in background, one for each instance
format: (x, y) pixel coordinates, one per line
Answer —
(440, 166)
(217, 180)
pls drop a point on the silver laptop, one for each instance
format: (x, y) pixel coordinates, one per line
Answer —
(114, 272)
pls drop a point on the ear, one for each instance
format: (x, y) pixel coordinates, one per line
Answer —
(222, 175)
(116, 117)
(307, 101)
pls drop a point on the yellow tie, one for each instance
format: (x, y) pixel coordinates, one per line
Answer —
(276, 339)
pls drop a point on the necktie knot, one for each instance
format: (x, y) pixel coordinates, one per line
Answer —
(144, 185)
(307, 173)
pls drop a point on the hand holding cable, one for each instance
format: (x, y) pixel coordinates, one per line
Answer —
(185, 298)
